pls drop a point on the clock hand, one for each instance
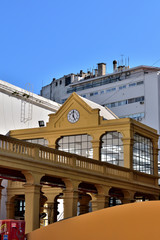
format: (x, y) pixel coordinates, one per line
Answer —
(73, 115)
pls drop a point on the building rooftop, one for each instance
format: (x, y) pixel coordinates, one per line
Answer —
(28, 96)
(124, 70)
(104, 112)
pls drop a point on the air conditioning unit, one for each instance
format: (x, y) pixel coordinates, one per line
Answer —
(142, 102)
(139, 119)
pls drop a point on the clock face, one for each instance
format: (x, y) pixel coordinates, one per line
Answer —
(73, 116)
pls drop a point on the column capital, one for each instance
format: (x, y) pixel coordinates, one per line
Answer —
(70, 193)
(51, 193)
(128, 193)
(33, 177)
(71, 184)
(30, 188)
(95, 142)
(128, 196)
(127, 141)
(103, 189)
(99, 201)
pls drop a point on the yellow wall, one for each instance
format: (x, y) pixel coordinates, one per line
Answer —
(90, 122)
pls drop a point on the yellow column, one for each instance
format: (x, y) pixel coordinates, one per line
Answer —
(70, 196)
(96, 144)
(70, 203)
(99, 202)
(155, 159)
(32, 206)
(96, 149)
(84, 204)
(128, 196)
(128, 152)
(101, 199)
(32, 200)
(10, 209)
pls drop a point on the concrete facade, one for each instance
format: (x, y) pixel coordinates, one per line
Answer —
(138, 86)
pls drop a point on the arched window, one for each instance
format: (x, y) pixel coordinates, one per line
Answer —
(78, 144)
(112, 148)
(142, 154)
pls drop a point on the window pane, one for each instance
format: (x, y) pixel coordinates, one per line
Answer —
(40, 141)
(79, 144)
(143, 154)
(112, 148)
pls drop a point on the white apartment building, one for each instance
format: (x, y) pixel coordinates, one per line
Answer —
(128, 92)
(21, 109)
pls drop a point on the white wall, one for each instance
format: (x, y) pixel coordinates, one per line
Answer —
(11, 110)
(10, 117)
(152, 100)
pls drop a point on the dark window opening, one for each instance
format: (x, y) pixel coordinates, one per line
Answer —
(67, 81)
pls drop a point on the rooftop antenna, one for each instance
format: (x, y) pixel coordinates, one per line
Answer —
(125, 62)
(128, 61)
(93, 70)
(122, 59)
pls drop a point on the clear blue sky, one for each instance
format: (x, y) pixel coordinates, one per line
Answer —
(42, 39)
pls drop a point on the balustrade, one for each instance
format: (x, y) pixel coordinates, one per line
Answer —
(54, 156)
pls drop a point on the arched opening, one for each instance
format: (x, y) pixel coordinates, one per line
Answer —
(112, 148)
(84, 201)
(116, 195)
(19, 207)
(53, 207)
(141, 197)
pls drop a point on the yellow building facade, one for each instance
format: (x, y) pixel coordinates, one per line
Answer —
(91, 160)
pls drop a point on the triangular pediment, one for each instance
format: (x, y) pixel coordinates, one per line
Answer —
(75, 113)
